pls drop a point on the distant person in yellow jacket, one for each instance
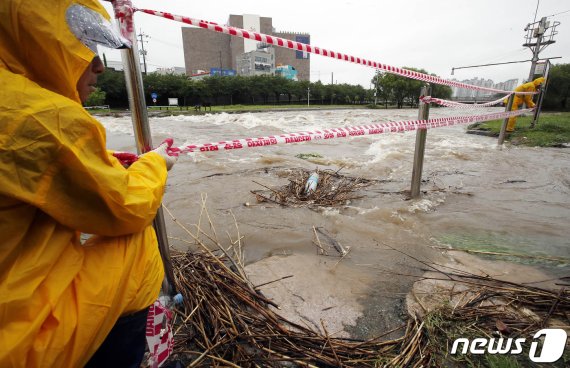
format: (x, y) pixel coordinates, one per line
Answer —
(61, 302)
(526, 99)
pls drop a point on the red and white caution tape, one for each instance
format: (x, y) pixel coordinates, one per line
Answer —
(345, 132)
(293, 45)
(159, 333)
(459, 105)
(124, 13)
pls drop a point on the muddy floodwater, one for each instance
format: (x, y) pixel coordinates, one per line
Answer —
(475, 196)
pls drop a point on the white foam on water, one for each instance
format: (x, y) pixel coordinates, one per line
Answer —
(188, 118)
(425, 205)
(398, 216)
(389, 147)
(122, 125)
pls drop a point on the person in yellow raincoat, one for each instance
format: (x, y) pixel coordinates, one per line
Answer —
(526, 99)
(59, 299)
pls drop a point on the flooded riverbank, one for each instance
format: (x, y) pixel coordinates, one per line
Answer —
(514, 200)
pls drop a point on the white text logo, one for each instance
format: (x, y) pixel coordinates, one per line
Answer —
(552, 348)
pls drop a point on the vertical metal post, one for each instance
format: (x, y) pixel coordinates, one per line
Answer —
(143, 137)
(536, 51)
(541, 95)
(421, 135)
(505, 121)
(376, 88)
(142, 51)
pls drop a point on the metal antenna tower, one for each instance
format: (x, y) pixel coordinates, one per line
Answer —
(538, 36)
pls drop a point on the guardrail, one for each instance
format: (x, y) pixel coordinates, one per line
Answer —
(168, 107)
(101, 107)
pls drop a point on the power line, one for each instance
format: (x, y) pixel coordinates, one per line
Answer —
(167, 43)
(552, 15)
(492, 64)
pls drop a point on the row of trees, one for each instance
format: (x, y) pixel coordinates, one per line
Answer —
(223, 90)
(404, 91)
(390, 90)
(558, 89)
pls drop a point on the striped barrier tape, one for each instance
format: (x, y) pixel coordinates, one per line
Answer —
(345, 132)
(159, 334)
(123, 10)
(325, 134)
(294, 45)
(459, 105)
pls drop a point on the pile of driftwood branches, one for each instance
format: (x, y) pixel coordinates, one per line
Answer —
(333, 189)
(225, 321)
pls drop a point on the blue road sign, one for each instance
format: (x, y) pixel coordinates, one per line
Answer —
(153, 95)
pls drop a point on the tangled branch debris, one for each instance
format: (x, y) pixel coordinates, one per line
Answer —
(227, 322)
(333, 189)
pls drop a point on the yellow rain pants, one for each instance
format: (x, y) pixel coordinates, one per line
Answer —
(59, 298)
(520, 99)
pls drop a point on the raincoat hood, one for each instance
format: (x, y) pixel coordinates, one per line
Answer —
(538, 81)
(36, 42)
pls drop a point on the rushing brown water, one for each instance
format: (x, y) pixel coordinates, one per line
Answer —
(476, 196)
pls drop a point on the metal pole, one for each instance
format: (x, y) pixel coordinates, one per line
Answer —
(536, 51)
(421, 135)
(308, 95)
(376, 88)
(504, 126)
(141, 127)
(332, 82)
(143, 51)
(541, 95)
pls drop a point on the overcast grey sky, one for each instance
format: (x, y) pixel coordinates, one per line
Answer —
(435, 36)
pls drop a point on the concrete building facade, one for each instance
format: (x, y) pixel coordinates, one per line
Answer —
(177, 70)
(256, 62)
(508, 85)
(204, 49)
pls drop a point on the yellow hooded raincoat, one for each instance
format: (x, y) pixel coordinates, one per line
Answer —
(526, 99)
(58, 298)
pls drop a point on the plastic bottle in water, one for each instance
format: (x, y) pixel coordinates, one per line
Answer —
(311, 184)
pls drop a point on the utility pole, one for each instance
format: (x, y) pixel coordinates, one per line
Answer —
(332, 82)
(376, 87)
(142, 51)
(543, 31)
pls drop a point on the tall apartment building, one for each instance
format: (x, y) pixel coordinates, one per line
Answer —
(508, 85)
(204, 49)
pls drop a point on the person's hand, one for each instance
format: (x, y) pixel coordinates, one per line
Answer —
(126, 158)
(167, 152)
